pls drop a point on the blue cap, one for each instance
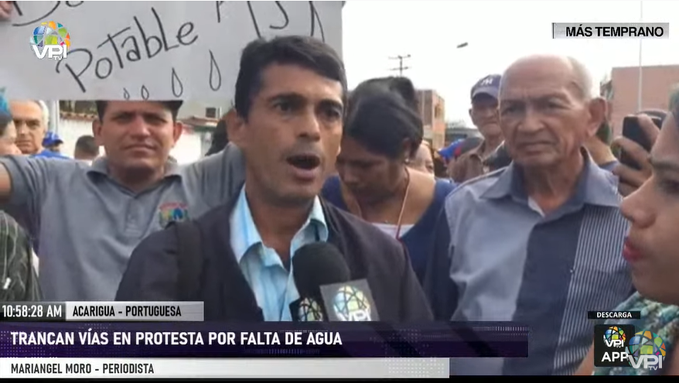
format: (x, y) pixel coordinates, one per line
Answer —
(460, 147)
(489, 85)
(448, 152)
(4, 105)
(51, 138)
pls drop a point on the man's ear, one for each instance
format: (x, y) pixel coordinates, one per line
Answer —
(177, 131)
(235, 128)
(597, 115)
(96, 132)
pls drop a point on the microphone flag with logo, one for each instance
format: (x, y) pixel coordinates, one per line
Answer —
(349, 302)
(314, 265)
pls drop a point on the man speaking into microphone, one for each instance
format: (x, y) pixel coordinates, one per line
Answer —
(290, 98)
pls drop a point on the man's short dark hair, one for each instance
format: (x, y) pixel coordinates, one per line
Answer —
(87, 145)
(173, 106)
(220, 138)
(306, 52)
(382, 113)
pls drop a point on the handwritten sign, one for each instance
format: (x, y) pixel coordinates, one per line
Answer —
(150, 50)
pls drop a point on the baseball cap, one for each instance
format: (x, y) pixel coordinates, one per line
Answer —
(449, 151)
(5, 115)
(51, 138)
(4, 105)
(489, 85)
(460, 147)
(469, 143)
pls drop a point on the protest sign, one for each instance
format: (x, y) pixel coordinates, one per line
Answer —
(146, 50)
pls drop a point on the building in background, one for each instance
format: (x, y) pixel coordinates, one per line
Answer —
(193, 109)
(456, 130)
(433, 113)
(623, 90)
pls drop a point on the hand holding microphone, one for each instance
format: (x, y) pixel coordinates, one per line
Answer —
(326, 292)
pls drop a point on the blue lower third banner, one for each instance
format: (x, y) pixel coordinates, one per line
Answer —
(271, 339)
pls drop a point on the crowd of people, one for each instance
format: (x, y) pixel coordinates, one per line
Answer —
(526, 223)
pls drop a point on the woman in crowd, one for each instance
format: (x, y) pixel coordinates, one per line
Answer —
(382, 133)
(423, 159)
(651, 247)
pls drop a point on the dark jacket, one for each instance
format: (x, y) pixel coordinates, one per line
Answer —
(152, 272)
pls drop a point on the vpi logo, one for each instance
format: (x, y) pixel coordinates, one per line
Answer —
(351, 305)
(615, 337)
(613, 347)
(610, 345)
(309, 311)
(647, 350)
(51, 40)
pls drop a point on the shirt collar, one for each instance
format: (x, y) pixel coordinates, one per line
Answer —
(244, 233)
(100, 166)
(595, 186)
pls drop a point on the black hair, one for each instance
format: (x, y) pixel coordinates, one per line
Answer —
(5, 119)
(87, 145)
(220, 139)
(173, 106)
(307, 52)
(382, 114)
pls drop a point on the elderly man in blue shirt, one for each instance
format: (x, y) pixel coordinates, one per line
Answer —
(538, 242)
(31, 118)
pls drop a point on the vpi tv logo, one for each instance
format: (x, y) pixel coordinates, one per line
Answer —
(646, 350)
(351, 305)
(51, 40)
(615, 347)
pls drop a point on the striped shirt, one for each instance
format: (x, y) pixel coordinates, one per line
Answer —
(541, 270)
(18, 279)
(269, 278)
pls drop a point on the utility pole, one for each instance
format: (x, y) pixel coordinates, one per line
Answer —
(400, 67)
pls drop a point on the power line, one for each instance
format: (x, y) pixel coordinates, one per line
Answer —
(400, 67)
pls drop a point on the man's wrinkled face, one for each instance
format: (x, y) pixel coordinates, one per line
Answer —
(484, 115)
(544, 117)
(30, 125)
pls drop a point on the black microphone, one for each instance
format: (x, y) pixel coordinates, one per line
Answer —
(325, 288)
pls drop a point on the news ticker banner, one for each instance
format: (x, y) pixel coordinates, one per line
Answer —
(129, 368)
(266, 339)
(610, 30)
(101, 311)
(629, 346)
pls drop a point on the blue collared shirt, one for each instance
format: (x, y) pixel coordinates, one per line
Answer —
(541, 270)
(272, 283)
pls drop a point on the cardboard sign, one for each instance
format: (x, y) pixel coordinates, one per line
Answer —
(146, 50)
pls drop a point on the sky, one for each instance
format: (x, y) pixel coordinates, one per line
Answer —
(497, 33)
